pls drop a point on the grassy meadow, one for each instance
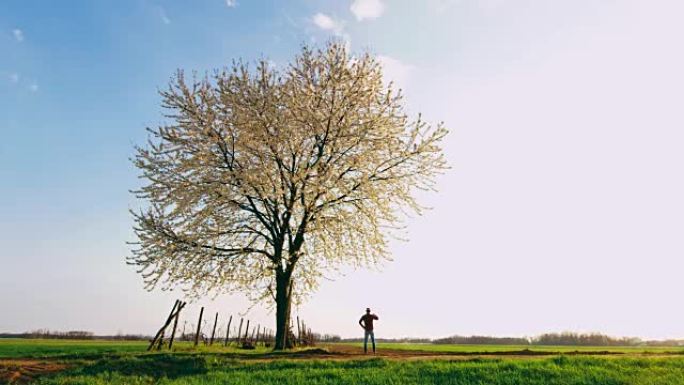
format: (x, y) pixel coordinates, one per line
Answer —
(119, 363)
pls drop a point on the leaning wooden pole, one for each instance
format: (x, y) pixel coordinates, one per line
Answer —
(160, 333)
(299, 333)
(160, 341)
(199, 327)
(225, 343)
(213, 331)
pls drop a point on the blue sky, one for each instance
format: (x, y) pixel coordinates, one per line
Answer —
(562, 210)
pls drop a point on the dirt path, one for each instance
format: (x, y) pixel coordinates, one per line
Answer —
(349, 352)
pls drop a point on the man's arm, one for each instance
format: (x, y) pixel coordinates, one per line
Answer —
(375, 317)
(361, 323)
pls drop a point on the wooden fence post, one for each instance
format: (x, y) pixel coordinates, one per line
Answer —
(237, 338)
(213, 331)
(228, 330)
(199, 326)
(246, 332)
(303, 337)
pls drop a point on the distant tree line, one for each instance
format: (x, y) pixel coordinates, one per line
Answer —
(406, 340)
(52, 334)
(589, 339)
(73, 335)
(563, 339)
(481, 340)
(327, 337)
(664, 343)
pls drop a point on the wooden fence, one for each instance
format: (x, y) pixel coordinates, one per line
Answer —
(250, 339)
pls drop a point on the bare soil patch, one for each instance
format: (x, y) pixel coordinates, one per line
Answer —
(21, 371)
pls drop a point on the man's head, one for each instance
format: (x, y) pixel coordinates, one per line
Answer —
(367, 310)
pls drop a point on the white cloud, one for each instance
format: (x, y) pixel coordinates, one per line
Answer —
(18, 34)
(231, 3)
(14, 77)
(327, 23)
(394, 70)
(33, 87)
(367, 9)
(165, 19)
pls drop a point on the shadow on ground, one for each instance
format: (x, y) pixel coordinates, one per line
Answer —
(175, 365)
(156, 365)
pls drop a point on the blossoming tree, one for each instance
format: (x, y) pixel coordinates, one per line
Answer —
(264, 179)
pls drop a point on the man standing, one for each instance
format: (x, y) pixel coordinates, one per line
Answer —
(366, 323)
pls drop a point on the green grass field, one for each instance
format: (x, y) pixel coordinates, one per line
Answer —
(109, 362)
(25, 348)
(84, 349)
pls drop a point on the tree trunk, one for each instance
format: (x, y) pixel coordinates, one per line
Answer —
(283, 301)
